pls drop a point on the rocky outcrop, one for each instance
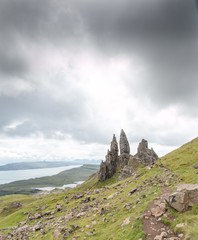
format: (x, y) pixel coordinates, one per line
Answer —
(125, 161)
(124, 144)
(185, 195)
(146, 155)
(108, 168)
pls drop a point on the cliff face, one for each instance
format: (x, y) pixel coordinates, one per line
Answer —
(144, 156)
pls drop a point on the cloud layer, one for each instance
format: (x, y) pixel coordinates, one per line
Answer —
(85, 69)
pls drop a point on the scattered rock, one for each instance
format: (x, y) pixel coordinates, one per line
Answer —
(180, 225)
(81, 214)
(89, 233)
(195, 165)
(43, 231)
(127, 205)
(112, 195)
(56, 234)
(38, 226)
(86, 200)
(161, 236)
(126, 222)
(173, 238)
(65, 235)
(47, 213)
(59, 207)
(5, 209)
(37, 215)
(74, 227)
(68, 217)
(133, 191)
(102, 211)
(15, 204)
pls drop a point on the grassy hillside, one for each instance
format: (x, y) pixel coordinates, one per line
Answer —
(58, 180)
(96, 210)
(182, 161)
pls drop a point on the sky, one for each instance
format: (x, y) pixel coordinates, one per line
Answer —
(74, 72)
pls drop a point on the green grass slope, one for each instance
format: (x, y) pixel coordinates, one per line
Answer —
(182, 161)
(101, 226)
(113, 196)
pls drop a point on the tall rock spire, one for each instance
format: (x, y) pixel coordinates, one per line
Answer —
(124, 144)
(114, 145)
(108, 168)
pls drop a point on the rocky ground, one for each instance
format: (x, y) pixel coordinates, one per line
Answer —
(62, 222)
(130, 205)
(153, 226)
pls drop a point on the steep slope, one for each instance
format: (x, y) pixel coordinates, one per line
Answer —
(182, 162)
(105, 210)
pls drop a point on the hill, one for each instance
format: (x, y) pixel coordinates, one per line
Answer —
(44, 164)
(65, 177)
(109, 209)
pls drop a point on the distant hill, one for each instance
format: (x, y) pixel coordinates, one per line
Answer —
(65, 177)
(44, 164)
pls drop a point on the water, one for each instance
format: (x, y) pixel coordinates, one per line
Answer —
(16, 175)
(63, 187)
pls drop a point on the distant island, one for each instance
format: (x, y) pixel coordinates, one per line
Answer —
(45, 164)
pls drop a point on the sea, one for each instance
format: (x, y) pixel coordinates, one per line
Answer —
(16, 175)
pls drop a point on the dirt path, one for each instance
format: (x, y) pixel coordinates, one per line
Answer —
(152, 224)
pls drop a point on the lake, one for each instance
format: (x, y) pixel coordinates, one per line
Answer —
(16, 175)
(72, 185)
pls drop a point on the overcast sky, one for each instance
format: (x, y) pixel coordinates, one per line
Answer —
(74, 72)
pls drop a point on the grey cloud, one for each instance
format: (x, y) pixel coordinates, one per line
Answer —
(161, 34)
(37, 20)
(24, 24)
(39, 112)
(12, 64)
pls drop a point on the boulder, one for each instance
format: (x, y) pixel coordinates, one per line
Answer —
(195, 166)
(185, 195)
(157, 212)
(15, 204)
(59, 207)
